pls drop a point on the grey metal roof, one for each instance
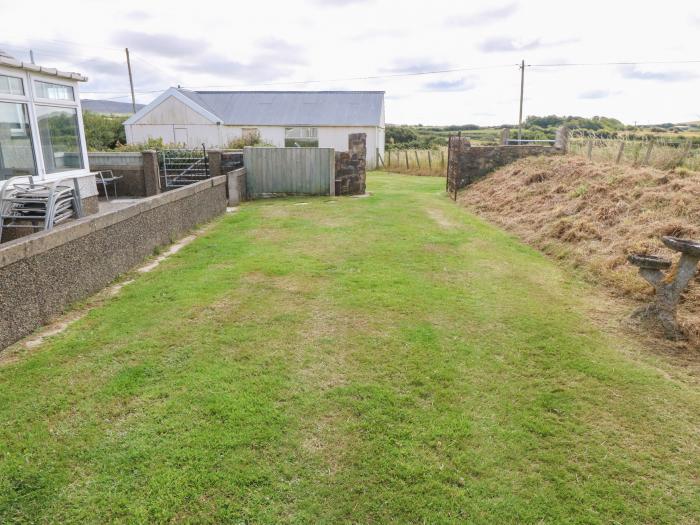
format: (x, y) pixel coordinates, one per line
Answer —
(292, 108)
(9, 61)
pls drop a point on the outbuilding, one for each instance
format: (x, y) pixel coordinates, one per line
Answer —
(281, 118)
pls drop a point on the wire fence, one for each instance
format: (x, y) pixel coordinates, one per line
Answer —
(427, 162)
(660, 153)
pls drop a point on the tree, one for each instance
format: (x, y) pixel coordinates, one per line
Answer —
(103, 132)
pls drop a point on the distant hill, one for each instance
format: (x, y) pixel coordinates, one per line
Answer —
(108, 107)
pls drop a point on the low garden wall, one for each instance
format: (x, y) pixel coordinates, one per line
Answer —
(467, 163)
(139, 171)
(42, 274)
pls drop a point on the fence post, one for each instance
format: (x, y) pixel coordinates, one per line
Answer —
(151, 173)
(647, 157)
(415, 152)
(430, 162)
(379, 158)
(442, 155)
(505, 135)
(620, 152)
(561, 139)
(589, 153)
(406, 155)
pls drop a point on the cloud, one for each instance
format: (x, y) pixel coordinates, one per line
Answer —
(165, 45)
(95, 67)
(506, 44)
(483, 17)
(220, 66)
(341, 3)
(632, 72)
(412, 65)
(460, 84)
(596, 94)
(138, 15)
(278, 50)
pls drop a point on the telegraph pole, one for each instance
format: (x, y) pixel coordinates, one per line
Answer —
(131, 82)
(522, 88)
(31, 56)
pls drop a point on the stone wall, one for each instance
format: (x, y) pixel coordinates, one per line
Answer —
(139, 171)
(43, 274)
(350, 166)
(469, 163)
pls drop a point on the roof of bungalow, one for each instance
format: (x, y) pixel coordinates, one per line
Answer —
(282, 108)
(9, 61)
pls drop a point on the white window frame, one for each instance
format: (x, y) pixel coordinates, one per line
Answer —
(29, 99)
(52, 101)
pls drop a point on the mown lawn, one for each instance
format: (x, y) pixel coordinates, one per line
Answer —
(365, 360)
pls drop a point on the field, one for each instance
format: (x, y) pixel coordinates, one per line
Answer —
(390, 359)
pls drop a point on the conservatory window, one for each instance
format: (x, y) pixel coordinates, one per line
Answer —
(16, 152)
(60, 138)
(11, 85)
(301, 137)
(52, 91)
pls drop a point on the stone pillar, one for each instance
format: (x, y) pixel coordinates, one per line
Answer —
(561, 139)
(151, 172)
(350, 166)
(236, 186)
(505, 135)
(214, 156)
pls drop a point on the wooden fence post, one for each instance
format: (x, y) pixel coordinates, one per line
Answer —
(415, 152)
(442, 156)
(379, 157)
(620, 152)
(589, 153)
(647, 157)
(406, 155)
(430, 161)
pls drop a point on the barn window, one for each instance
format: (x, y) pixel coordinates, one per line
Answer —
(301, 137)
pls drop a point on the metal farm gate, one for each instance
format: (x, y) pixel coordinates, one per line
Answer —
(180, 167)
(289, 171)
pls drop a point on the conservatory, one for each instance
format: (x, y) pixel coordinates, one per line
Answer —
(41, 125)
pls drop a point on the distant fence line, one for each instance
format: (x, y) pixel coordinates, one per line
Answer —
(655, 153)
(431, 162)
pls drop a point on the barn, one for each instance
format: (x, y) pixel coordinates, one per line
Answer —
(281, 118)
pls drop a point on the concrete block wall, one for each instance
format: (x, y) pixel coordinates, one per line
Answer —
(139, 171)
(43, 274)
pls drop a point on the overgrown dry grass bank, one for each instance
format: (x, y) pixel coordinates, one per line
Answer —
(594, 214)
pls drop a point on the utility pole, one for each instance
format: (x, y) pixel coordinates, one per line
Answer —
(131, 81)
(522, 88)
(31, 56)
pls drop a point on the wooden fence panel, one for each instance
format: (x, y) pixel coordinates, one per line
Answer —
(289, 171)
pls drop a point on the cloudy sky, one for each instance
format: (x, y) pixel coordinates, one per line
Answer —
(469, 51)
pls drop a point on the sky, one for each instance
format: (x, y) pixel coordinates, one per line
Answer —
(440, 62)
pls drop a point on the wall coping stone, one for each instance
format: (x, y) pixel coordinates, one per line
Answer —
(41, 242)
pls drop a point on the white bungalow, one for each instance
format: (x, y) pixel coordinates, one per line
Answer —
(281, 118)
(41, 124)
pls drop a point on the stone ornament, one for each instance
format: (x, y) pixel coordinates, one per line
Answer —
(668, 286)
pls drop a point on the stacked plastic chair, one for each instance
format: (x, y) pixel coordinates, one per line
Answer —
(25, 203)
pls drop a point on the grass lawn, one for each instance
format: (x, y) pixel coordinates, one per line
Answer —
(365, 360)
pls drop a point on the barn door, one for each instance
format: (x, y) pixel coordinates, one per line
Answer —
(181, 136)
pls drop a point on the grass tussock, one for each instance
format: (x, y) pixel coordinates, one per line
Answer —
(595, 214)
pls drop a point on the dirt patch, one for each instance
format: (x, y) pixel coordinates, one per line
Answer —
(593, 215)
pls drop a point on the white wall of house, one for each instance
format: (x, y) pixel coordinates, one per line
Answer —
(176, 123)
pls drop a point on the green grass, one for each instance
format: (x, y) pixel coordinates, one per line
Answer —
(384, 359)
